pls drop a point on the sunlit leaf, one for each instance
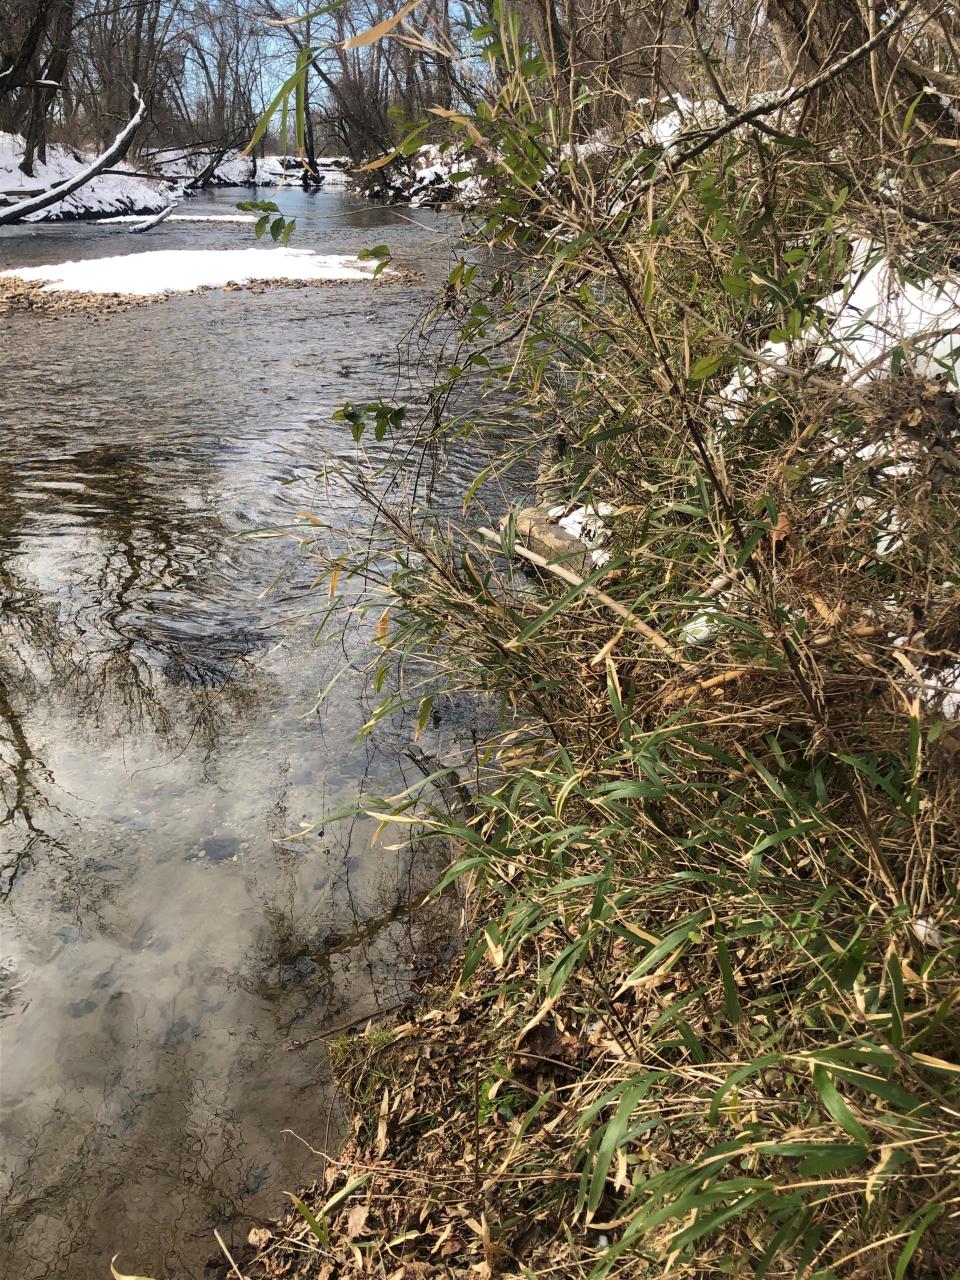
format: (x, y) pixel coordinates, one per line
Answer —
(373, 34)
(458, 118)
(320, 1229)
(307, 17)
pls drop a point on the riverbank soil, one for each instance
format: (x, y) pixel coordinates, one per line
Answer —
(432, 1151)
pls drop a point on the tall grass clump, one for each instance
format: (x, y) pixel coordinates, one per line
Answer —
(705, 1022)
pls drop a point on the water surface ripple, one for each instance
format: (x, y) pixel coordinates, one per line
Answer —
(163, 934)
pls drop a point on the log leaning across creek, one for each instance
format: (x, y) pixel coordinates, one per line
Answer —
(116, 151)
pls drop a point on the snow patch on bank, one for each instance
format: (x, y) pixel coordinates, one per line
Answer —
(135, 219)
(181, 166)
(106, 194)
(877, 311)
(589, 525)
(876, 323)
(183, 270)
(331, 172)
(174, 164)
(875, 315)
(435, 176)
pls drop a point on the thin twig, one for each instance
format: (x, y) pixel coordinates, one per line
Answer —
(236, 1270)
(757, 112)
(292, 1045)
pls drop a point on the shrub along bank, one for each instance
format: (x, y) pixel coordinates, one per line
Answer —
(705, 1020)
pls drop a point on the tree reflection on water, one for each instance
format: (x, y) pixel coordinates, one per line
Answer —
(112, 625)
(174, 916)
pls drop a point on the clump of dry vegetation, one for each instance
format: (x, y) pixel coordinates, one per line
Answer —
(705, 1022)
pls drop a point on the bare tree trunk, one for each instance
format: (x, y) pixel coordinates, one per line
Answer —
(309, 142)
(44, 94)
(13, 75)
(810, 36)
(444, 90)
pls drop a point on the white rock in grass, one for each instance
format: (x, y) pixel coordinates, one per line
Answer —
(699, 630)
(927, 932)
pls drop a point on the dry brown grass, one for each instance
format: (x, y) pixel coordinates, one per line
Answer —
(705, 1023)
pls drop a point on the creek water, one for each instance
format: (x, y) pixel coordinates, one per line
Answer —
(167, 927)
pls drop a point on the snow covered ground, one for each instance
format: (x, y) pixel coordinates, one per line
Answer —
(435, 177)
(877, 312)
(183, 270)
(875, 316)
(107, 194)
(273, 170)
(877, 322)
(113, 194)
(176, 165)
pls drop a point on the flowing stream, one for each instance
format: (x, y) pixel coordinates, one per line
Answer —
(167, 930)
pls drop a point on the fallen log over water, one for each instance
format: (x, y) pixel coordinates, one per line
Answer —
(116, 151)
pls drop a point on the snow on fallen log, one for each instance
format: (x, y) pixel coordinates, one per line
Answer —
(116, 151)
(139, 227)
(183, 270)
(129, 219)
(115, 190)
